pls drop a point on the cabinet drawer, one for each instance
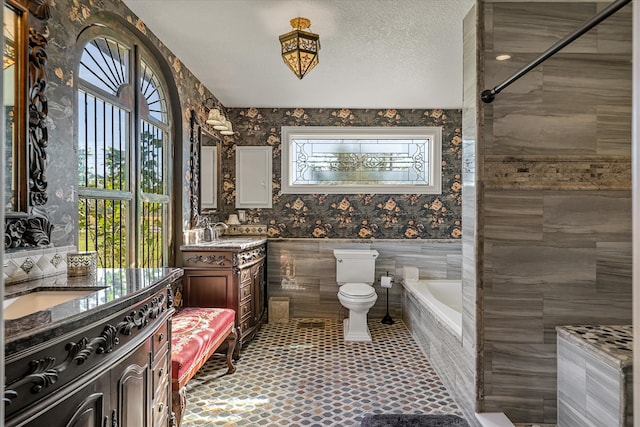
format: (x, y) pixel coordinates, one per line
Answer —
(161, 408)
(161, 374)
(245, 309)
(245, 291)
(160, 338)
(244, 325)
(207, 259)
(245, 275)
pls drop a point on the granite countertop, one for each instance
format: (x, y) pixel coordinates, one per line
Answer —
(614, 343)
(232, 242)
(115, 289)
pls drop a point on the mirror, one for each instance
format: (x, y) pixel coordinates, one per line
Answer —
(26, 138)
(204, 169)
(14, 91)
(209, 172)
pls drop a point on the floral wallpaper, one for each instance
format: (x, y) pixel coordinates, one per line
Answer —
(365, 216)
(68, 19)
(352, 216)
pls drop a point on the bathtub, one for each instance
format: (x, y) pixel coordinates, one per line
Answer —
(443, 298)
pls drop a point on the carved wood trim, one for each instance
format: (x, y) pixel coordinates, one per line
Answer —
(38, 111)
(218, 260)
(252, 255)
(194, 168)
(33, 228)
(44, 372)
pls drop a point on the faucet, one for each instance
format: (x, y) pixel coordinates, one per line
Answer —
(216, 232)
(205, 223)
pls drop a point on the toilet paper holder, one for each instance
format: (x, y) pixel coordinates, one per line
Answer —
(387, 281)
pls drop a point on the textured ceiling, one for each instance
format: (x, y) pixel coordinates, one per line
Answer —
(374, 53)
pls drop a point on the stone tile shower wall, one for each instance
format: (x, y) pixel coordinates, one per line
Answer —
(348, 216)
(554, 195)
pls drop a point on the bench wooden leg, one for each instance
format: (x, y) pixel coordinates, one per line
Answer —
(232, 339)
(236, 352)
(178, 403)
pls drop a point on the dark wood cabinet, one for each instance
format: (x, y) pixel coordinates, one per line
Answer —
(210, 288)
(114, 372)
(258, 291)
(131, 389)
(230, 278)
(84, 407)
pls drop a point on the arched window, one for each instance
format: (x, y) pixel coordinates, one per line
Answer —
(124, 148)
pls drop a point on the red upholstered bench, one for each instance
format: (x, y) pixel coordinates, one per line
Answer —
(196, 333)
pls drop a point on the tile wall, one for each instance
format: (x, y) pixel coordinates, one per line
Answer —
(305, 271)
(32, 264)
(445, 352)
(553, 184)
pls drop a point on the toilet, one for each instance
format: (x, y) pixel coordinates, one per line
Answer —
(355, 274)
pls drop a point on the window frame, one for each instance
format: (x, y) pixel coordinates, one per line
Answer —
(136, 201)
(432, 133)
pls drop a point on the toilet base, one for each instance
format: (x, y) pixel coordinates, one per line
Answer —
(356, 333)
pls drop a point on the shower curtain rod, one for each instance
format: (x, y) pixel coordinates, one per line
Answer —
(490, 94)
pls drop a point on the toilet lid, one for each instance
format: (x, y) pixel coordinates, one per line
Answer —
(357, 290)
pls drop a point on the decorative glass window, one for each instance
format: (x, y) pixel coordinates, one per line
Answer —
(358, 160)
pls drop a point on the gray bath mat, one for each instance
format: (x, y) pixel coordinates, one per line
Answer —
(413, 420)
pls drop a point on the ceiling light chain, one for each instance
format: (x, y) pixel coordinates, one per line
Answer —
(299, 47)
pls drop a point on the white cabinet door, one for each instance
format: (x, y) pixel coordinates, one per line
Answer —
(253, 177)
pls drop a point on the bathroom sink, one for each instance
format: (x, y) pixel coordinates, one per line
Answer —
(23, 305)
(229, 241)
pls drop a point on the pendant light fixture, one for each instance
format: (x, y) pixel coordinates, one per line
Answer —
(300, 48)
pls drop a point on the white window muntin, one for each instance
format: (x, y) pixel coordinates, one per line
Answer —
(418, 170)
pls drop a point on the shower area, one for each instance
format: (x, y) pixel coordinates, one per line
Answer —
(547, 202)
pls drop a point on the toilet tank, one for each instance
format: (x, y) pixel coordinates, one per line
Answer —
(355, 265)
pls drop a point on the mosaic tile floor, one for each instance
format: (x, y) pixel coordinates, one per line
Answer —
(303, 374)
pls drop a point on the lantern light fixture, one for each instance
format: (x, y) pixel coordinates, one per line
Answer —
(300, 48)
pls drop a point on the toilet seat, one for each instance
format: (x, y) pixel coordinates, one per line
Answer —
(357, 290)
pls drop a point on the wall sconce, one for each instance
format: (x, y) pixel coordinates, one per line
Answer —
(216, 118)
(300, 48)
(228, 131)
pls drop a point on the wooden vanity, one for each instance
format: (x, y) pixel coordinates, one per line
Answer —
(229, 273)
(98, 360)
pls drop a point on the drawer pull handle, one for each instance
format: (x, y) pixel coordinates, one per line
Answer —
(161, 336)
(160, 372)
(160, 407)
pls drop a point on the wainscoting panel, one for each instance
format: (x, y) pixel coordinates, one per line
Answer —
(305, 271)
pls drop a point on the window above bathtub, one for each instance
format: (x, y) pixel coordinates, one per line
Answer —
(361, 160)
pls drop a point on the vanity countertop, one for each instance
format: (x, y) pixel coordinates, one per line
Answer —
(115, 289)
(232, 242)
(613, 343)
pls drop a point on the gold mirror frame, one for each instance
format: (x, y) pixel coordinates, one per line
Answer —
(14, 69)
(28, 225)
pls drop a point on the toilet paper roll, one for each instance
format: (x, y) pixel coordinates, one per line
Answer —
(385, 281)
